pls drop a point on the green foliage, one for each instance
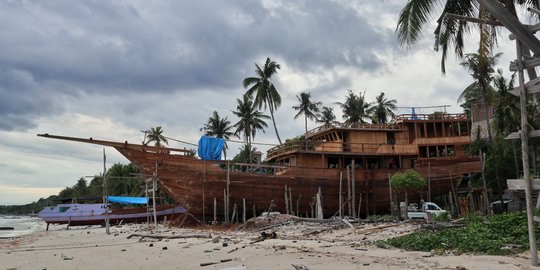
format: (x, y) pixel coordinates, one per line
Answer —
(481, 235)
(407, 179)
(26, 209)
(444, 217)
(120, 182)
(246, 154)
(156, 135)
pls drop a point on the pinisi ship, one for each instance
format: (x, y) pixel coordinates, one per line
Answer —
(347, 165)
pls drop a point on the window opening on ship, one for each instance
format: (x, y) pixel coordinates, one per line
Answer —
(373, 163)
(393, 163)
(432, 151)
(332, 162)
(390, 138)
(63, 209)
(423, 151)
(451, 151)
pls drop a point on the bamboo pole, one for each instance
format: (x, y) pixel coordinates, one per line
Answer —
(215, 211)
(225, 215)
(390, 191)
(485, 193)
(244, 210)
(298, 205)
(233, 213)
(353, 180)
(319, 205)
(349, 192)
(429, 182)
(286, 201)
(290, 202)
(228, 201)
(454, 192)
(359, 205)
(340, 194)
(203, 184)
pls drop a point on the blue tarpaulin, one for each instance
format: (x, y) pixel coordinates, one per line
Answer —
(128, 200)
(210, 148)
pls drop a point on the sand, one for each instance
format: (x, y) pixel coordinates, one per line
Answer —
(297, 246)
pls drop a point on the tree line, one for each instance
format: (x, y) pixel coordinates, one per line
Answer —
(122, 180)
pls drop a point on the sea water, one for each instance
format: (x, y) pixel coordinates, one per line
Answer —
(21, 225)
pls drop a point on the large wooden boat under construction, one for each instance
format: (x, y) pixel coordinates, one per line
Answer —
(354, 160)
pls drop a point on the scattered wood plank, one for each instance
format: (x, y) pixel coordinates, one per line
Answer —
(176, 236)
(377, 229)
(300, 267)
(264, 236)
(348, 223)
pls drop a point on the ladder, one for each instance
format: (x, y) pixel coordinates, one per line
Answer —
(150, 191)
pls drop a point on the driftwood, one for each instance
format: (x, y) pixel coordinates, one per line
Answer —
(348, 223)
(265, 236)
(300, 267)
(212, 263)
(376, 229)
(157, 236)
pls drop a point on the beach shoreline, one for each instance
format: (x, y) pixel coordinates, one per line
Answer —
(302, 244)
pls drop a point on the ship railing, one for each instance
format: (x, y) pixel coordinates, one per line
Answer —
(322, 146)
(433, 116)
(368, 126)
(261, 168)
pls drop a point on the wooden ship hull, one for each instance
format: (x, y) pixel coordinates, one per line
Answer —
(334, 163)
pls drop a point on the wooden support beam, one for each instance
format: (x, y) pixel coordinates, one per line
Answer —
(471, 19)
(517, 135)
(533, 28)
(527, 63)
(520, 184)
(532, 86)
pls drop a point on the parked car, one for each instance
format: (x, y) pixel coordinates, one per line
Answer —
(427, 211)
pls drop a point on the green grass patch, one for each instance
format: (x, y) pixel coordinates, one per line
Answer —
(481, 235)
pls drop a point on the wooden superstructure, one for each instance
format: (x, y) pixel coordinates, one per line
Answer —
(363, 156)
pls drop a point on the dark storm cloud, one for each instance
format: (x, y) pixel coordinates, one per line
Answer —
(53, 49)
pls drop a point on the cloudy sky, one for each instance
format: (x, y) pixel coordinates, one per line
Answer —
(108, 69)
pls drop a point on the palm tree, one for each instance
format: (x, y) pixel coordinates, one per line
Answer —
(450, 30)
(355, 108)
(218, 127)
(482, 73)
(327, 116)
(156, 135)
(263, 89)
(506, 110)
(306, 107)
(251, 119)
(383, 109)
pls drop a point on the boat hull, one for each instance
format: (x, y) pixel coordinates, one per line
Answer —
(195, 184)
(94, 214)
(201, 186)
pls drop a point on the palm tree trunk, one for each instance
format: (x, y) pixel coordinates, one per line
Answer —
(305, 121)
(274, 121)
(486, 114)
(406, 216)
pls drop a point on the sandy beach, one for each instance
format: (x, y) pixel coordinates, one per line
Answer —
(297, 245)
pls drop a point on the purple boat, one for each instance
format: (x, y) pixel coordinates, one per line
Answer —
(75, 214)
